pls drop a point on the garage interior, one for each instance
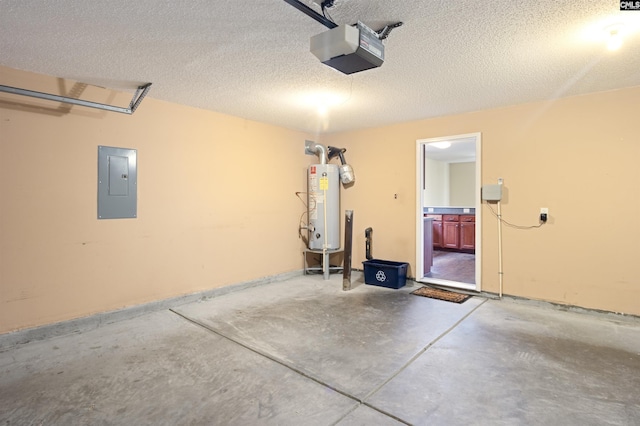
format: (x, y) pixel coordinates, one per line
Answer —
(195, 308)
(304, 351)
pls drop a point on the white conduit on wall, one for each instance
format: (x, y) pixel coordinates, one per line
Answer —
(500, 274)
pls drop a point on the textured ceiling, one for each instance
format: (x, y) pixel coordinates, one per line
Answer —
(252, 59)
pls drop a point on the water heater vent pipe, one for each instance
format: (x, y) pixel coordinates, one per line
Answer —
(312, 148)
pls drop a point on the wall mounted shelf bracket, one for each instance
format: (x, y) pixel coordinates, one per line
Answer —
(140, 93)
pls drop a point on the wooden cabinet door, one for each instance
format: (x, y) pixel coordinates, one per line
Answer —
(467, 235)
(450, 234)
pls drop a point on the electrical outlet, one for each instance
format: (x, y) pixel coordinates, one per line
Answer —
(544, 214)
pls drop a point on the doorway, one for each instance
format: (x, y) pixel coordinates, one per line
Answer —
(448, 211)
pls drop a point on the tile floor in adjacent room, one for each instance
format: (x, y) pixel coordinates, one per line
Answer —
(304, 352)
(453, 266)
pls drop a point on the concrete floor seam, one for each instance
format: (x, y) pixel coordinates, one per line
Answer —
(322, 382)
(292, 368)
(420, 352)
(345, 415)
(269, 357)
(396, 418)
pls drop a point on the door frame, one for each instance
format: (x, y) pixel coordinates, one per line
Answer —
(420, 143)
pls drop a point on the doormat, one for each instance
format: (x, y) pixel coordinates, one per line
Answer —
(434, 293)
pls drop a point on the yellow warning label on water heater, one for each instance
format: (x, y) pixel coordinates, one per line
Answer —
(324, 183)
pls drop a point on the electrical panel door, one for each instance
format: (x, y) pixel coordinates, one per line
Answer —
(117, 183)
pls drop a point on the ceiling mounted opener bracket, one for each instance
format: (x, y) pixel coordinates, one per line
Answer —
(312, 13)
(140, 93)
(384, 33)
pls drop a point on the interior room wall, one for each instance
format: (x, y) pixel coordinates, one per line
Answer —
(462, 184)
(216, 203)
(436, 192)
(576, 156)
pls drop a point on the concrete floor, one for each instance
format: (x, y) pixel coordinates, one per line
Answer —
(303, 352)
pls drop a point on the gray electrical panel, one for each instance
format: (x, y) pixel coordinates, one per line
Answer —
(117, 183)
(492, 192)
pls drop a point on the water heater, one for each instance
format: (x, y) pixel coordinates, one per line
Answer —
(323, 202)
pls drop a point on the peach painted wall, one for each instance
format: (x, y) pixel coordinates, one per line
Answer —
(216, 204)
(215, 191)
(577, 156)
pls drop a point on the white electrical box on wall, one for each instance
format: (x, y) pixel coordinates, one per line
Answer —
(492, 192)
